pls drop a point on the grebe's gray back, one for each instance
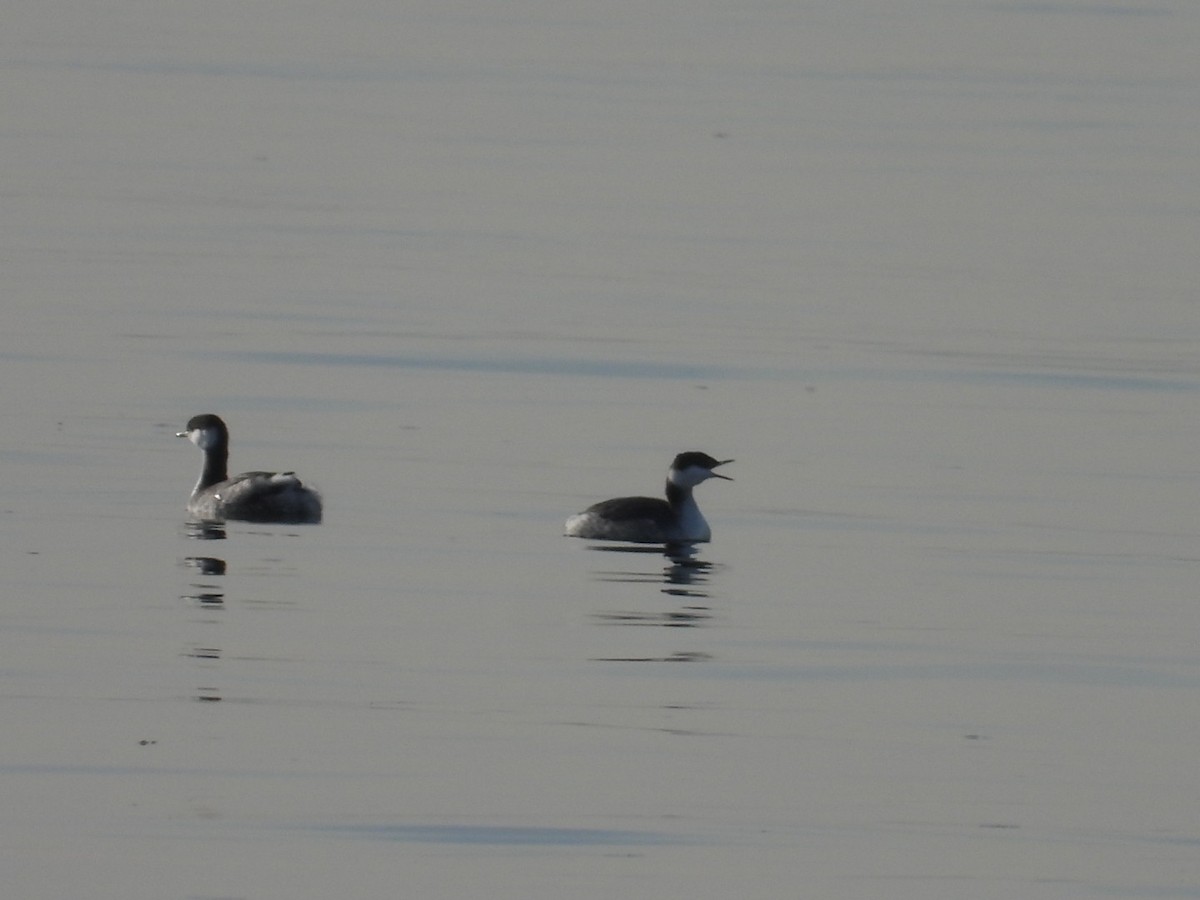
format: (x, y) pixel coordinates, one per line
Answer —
(251, 496)
(650, 520)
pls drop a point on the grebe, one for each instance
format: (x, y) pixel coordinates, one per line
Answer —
(649, 520)
(251, 496)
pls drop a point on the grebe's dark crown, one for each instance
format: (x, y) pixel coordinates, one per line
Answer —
(206, 420)
(697, 460)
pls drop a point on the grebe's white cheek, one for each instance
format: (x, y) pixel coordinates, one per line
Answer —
(689, 477)
(204, 438)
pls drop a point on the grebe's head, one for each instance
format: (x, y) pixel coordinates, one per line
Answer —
(691, 468)
(206, 431)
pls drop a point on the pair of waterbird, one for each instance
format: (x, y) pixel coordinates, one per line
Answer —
(282, 497)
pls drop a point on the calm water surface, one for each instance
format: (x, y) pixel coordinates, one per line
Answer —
(926, 271)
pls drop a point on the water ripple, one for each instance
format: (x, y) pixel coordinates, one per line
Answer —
(507, 835)
(687, 371)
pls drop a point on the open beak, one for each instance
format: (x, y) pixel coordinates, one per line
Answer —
(718, 474)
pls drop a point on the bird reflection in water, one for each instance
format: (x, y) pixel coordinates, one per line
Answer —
(207, 565)
(206, 595)
(684, 577)
(205, 531)
(209, 596)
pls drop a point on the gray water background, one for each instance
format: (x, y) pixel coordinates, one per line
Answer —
(927, 270)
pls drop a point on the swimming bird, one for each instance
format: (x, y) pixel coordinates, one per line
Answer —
(650, 520)
(252, 496)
